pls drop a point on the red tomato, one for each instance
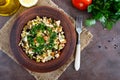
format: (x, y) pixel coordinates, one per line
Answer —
(81, 4)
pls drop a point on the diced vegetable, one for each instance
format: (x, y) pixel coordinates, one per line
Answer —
(42, 39)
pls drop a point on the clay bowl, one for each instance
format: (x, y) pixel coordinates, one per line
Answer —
(30, 14)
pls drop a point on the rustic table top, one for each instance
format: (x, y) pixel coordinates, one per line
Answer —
(100, 59)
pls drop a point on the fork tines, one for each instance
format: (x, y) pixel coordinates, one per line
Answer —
(79, 20)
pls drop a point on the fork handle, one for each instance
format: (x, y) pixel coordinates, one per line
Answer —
(77, 57)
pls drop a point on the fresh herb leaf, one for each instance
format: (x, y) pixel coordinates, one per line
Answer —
(90, 22)
(109, 25)
(40, 40)
(107, 12)
(89, 9)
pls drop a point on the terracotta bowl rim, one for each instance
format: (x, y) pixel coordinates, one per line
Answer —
(19, 54)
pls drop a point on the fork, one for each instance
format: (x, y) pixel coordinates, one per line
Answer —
(78, 50)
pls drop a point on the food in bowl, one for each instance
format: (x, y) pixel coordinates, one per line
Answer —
(42, 39)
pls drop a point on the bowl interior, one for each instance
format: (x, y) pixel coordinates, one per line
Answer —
(68, 29)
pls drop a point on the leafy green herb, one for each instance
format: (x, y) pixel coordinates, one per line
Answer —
(90, 22)
(40, 40)
(33, 38)
(35, 28)
(105, 11)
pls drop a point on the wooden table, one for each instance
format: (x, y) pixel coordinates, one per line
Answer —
(100, 59)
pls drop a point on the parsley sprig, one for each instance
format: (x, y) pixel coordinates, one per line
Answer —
(39, 39)
(105, 11)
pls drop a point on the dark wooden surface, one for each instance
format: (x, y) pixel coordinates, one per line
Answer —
(100, 59)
